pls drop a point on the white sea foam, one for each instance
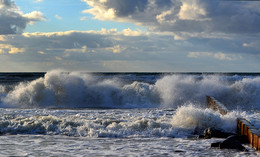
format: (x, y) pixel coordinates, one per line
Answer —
(87, 123)
(198, 119)
(187, 120)
(130, 132)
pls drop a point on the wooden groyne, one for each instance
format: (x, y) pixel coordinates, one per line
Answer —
(244, 127)
(216, 105)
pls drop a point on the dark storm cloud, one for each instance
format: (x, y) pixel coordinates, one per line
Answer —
(127, 7)
(65, 40)
(12, 20)
(183, 15)
(7, 3)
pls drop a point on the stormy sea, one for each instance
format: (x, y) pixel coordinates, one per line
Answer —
(122, 114)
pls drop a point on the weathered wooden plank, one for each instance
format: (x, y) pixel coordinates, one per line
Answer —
(216, 105)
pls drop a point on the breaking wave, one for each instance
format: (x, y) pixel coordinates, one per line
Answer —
(81, 90)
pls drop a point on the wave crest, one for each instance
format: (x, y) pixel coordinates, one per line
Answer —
(58, 89)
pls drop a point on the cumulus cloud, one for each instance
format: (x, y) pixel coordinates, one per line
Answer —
(192, 10)
(5, 48)
(13, 21)
(126, 50)
(181, 15)
(64, 42)
(34, 16)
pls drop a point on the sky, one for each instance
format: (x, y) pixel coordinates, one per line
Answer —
(130, 35)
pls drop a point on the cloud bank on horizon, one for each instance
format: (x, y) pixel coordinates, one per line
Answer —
(178, 35)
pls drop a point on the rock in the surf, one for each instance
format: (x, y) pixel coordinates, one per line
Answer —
(211, 132)
(232, 142)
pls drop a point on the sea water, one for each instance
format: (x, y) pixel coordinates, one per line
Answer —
(121, 114)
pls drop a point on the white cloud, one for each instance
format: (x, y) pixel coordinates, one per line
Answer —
(5, 48)
(41, 52)
(115, 49)
(129, 32)
(246, 45)
(34, 16)
(82, 50)
(102, 14)
(164, 17)
(58, 17)
(38, 1)
(13, 21)
(199, 54)
(83, 18)
(223, 56)
(218, 55)
(192, 10)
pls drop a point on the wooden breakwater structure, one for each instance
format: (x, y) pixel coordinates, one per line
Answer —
(216, 105)
(244, 127)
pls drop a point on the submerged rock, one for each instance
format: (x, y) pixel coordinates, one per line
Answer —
(232, 142)
(215, 144)
(211, 132)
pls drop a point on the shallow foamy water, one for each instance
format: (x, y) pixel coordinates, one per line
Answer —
(121, 132)
(42, 145)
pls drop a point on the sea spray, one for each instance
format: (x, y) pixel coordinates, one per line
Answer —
(197, 119)
(76, 90)
(59, 89)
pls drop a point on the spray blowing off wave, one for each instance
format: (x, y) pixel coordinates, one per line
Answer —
(80, 90)
(197, 119)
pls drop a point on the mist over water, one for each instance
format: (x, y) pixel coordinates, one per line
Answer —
(58, 89)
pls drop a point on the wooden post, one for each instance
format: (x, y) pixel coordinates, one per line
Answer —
(258, 144)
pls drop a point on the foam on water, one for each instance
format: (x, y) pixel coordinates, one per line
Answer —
(185, 121)
(124, 132)
(44, 145)
(90, 124)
